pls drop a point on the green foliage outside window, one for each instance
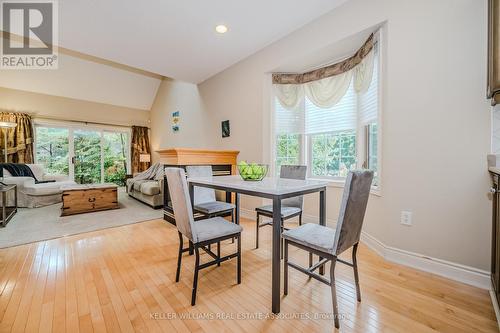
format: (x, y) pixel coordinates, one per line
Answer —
(333, 154)
(287, 150)
(52, 150)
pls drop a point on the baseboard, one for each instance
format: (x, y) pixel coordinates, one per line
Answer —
(461, 273)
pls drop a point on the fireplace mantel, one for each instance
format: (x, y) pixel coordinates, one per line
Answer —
(223, 163)
(192, 156)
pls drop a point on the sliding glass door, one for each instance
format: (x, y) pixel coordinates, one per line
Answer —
(86, 155)
(52, 149)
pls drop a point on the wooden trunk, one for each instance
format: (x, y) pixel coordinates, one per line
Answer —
(76, 201)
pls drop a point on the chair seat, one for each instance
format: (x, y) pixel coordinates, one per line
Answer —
(214, 207)
(312, 235)
(286, 211)
(214, 228)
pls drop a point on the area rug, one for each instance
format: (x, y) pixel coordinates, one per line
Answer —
(37, 224)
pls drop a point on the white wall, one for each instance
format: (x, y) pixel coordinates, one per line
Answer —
(184, 97)
(41, 105)
(436, 119)
(87, 80)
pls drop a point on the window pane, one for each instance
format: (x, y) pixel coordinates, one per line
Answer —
(115, 157)
(52, 149)
(333, 154)
(87, 156)
(287, 150)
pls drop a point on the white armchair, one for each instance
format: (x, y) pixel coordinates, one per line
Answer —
(30, 194)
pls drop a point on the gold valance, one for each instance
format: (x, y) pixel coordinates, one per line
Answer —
(328, 71)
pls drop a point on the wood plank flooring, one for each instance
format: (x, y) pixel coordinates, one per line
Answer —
(122, 280)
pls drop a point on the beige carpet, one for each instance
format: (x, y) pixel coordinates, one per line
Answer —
(37, 224)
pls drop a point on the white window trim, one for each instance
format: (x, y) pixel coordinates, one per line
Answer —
(340, 183)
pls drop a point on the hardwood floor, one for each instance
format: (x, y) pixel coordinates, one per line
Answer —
(122, 279)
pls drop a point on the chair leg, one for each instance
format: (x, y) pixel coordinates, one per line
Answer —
(257, 231)
(334, 293)
(232, 220)
(195, 278)
(238, 274)
(300, 219)
(285, 270)
(356, 276)
(179, 258)
(218, 252)
(310, 264)
(281, 240)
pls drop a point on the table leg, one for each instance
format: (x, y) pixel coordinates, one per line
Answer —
(4, 208)
(191, 197)
(237, 209)
(322, 219)
(276, 262)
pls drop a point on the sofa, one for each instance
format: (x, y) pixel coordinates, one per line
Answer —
(148, 191)
(32, 195)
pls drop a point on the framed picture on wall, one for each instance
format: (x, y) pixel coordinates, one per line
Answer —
(175, 121)
(225, 129)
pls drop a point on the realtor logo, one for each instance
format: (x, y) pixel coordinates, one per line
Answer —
(29, 34)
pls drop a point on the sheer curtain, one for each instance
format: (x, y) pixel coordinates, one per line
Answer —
(326, 102)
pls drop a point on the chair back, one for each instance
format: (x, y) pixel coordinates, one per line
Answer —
(201, 194)
(352, 210)
(181, 203)
(293, 172)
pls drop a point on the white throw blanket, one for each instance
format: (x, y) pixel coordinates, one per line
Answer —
(155, 172)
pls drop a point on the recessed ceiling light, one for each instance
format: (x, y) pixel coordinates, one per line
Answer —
(221, 28)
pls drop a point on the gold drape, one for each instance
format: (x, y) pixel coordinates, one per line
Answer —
(19, 139)
(140, 145)
(331, 70)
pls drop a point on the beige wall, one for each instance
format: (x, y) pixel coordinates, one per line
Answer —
(436, 120)
(184, 97)
(70, 109)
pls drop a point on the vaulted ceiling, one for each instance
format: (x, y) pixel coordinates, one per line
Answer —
(176, 38)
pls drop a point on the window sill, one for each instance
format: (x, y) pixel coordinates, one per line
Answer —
(340, 184)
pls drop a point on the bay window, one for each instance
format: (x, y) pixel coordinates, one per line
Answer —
(330, 125)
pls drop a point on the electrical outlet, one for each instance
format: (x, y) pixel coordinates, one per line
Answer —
(406, 218)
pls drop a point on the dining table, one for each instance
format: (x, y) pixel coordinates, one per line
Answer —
(275, 189)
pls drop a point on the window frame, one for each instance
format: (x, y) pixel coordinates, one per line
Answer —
(74, 126)
(310, 154)
(361, 136)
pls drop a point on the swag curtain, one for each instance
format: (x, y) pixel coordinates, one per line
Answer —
(326, 86)
(139, 145)
(19, 139)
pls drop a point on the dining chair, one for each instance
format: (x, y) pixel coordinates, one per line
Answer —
(329, 243)
(201, 233)
(205, 201)
(290, 207)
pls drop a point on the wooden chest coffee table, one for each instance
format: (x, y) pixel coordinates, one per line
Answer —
(79, 199)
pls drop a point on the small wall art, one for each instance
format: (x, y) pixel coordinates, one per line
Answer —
(226, 131)
(175, 121)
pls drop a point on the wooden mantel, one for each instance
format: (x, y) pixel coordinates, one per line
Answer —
(192, 156)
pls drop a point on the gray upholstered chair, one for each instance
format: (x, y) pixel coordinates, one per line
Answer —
(328, 243)
(290, 207)
(201, 233)
(204, 198)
